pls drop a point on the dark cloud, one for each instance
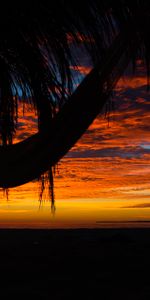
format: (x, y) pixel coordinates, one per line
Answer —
(140, 205)
(23, 135)
(121, 152)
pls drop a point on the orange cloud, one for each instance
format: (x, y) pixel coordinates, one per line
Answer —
(103, 177)
(27, 122)
(81, 69)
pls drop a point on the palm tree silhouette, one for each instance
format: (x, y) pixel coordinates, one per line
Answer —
(37, 48)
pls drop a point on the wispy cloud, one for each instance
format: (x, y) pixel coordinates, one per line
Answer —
(140, 205)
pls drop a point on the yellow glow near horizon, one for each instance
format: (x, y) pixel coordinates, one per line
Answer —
(71, 214)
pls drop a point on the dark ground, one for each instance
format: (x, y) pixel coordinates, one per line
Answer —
(75, 264)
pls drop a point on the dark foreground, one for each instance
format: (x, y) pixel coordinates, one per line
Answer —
(75, 264)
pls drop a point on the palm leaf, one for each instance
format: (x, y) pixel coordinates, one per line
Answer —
(38, 45)
(27, 160)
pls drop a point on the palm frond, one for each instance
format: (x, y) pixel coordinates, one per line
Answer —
(38, 42)
(36, 52)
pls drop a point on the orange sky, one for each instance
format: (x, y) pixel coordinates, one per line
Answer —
(104, 178)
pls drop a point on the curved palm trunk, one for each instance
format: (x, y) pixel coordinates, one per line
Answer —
(27, 160)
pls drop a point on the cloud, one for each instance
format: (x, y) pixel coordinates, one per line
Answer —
(27, 123)
(129, 125)
(121, 152)
(117, 152)
(140, 205)
(81, 69)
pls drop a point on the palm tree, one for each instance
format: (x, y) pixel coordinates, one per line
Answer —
(37, 47)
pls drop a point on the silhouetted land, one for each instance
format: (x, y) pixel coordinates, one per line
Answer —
(75, 264)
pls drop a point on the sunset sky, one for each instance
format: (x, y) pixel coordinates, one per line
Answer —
(105, 178)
